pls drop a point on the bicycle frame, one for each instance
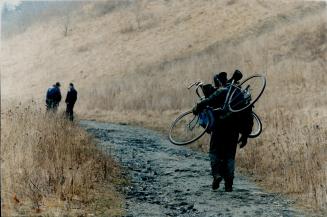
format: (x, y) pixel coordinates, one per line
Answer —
(199, 84)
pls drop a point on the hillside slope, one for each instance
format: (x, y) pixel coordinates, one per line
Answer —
(136, 38)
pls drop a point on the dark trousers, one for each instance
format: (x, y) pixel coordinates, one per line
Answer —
(70, 111)
(223, 144)
(52, 105)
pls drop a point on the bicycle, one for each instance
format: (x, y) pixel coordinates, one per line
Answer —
(188, 128)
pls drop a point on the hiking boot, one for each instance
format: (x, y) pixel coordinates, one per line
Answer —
(228, 188)
(216, 181)
(228, 185)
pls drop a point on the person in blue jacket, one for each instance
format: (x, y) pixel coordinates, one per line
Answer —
(53, 97)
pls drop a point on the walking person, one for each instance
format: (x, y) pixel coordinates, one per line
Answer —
(70, 101)
(225, 133)
(53, 97)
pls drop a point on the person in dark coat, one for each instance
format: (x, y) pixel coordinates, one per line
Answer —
(70, 101)
(225, 134)
(53, 97)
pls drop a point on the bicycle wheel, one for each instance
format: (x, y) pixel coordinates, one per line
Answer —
(247, 93)
(257, 126)
(186, 129)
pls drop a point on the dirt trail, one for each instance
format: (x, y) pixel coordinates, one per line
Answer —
(168, 180)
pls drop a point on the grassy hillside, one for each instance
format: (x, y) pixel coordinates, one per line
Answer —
(131, 62)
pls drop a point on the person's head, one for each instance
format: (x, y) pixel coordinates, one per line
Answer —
(220, 79)
(237, 75)
(71, 86)
(57, 84)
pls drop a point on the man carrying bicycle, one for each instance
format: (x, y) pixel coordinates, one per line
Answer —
(226, 130)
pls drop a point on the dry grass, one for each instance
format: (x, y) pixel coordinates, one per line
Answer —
(132, 64)
(50, 166)
(290, 157)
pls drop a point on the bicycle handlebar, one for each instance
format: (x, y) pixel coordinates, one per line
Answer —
(197, 83)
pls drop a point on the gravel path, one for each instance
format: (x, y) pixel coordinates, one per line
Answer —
(168, 180)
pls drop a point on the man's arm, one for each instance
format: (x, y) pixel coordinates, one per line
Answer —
(246, 126)
(47, 96)
(75, 96)
(67, 98)
(59, 97)
(216, 98)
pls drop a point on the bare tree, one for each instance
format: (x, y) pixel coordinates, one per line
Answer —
(66, 24)
(138, 12)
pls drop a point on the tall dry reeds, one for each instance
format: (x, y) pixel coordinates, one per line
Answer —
(290, 157)
(52, 166)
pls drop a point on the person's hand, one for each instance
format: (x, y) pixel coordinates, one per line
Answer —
(243, 141)
(195, 110)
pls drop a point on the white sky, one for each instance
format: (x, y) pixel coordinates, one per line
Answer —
(11, 4)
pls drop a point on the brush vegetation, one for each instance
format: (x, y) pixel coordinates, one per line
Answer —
(50, 166)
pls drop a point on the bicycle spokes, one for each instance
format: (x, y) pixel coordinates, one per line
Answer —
(247, 93)
(193, 123)
(186, 129)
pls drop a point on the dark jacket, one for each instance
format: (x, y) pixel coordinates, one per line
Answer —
(53, 94)
(71, 96)
(226, 121)
(215, 100)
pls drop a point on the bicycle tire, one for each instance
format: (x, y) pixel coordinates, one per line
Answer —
(180, 118)
(257, 132)
(245, 89)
